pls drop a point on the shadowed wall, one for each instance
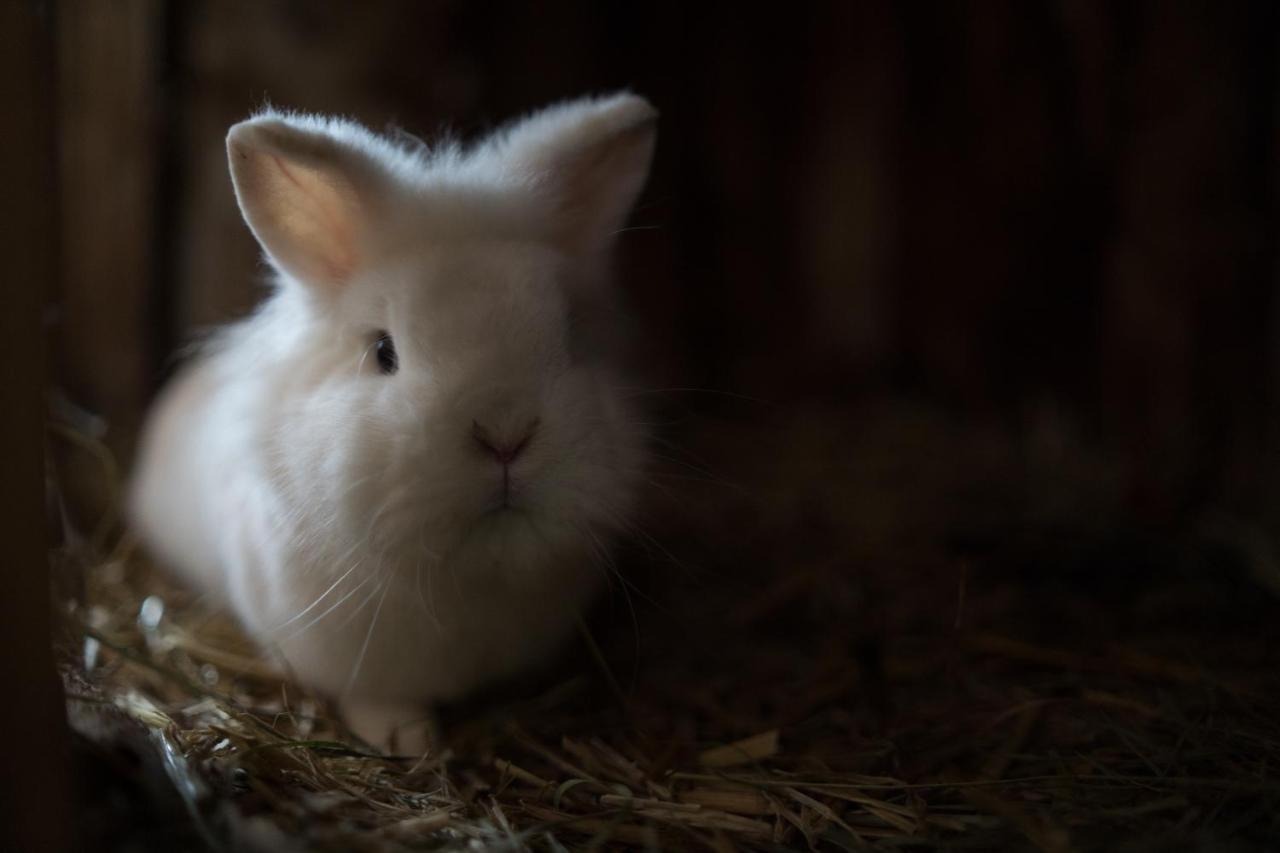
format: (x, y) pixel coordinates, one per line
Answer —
(1054, 217)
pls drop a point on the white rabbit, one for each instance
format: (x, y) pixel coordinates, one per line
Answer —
(401, 472)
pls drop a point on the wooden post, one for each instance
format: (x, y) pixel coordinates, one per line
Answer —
(35, 805)
(106, 100)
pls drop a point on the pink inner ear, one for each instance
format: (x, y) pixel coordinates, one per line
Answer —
(318, 215)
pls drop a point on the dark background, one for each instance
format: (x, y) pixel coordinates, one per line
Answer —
(1055, 220)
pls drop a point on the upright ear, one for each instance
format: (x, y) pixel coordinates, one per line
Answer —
(591, 156)
(306, 194)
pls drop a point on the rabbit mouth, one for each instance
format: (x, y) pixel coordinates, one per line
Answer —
(511, 531)
(501, 512)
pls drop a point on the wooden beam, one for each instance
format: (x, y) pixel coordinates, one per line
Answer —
(107, 68)
(35, 805)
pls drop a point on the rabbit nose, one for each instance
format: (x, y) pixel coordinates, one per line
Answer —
(503, 448)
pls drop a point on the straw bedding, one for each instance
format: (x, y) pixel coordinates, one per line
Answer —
(850, 647)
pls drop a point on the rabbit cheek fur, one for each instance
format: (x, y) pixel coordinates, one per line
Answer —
(361, 522)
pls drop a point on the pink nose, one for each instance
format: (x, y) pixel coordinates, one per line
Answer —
(504, 451)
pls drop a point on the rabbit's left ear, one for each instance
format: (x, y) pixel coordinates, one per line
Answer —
(591, 158)
(305, 195)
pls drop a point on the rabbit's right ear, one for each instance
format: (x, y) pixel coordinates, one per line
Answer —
(305, 194)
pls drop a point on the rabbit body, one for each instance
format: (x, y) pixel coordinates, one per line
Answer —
(402, 473)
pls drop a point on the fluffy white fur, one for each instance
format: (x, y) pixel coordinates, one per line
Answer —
(350, 518)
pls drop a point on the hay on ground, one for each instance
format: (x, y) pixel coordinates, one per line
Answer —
(814, 700)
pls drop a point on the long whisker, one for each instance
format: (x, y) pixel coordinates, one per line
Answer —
(332, 607)
(321, 598)
(710, 475)
(355, 671)
(364, 602)
(603, 554)
(643, 392)
(624, 523)
(602, 551)
(599, 563)
(427, 610)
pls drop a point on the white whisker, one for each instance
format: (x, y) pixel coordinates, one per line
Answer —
(322, 597)
(355, 670)
(298, 631)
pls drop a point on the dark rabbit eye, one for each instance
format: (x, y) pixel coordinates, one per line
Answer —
(385, 349)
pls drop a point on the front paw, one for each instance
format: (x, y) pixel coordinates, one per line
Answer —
(396, 729)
